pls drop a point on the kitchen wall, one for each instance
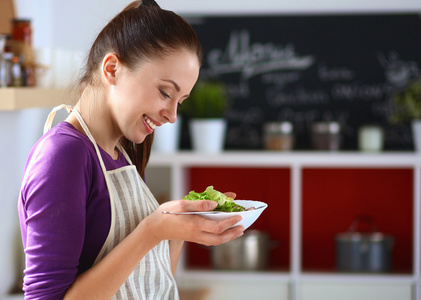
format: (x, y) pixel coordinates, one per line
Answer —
(18, 131)
(72, 25)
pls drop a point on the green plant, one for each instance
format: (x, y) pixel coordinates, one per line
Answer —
(408, 103)
(208, 100)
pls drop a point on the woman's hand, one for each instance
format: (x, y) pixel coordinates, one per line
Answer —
(192, 228)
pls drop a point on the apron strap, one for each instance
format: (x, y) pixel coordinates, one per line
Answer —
(120, 147)
(71, 109)
(52, 114)
(88, 133)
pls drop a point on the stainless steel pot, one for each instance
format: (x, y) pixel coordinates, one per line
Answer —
(249, 252)
(363, 252)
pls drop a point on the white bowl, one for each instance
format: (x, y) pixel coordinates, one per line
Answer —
(249, 217)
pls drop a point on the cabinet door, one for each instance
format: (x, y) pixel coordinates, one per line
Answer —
(348, 291)
(239, 290)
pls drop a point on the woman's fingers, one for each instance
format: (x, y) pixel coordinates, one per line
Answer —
(230, 194)
(209, 232)
(218, 227)
(209, 239)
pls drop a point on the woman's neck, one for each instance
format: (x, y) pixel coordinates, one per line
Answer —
(95, 112)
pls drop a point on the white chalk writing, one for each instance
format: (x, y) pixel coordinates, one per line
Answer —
(250, 59)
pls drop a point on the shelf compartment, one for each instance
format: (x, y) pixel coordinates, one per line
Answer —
(270, 185)
(332, 198)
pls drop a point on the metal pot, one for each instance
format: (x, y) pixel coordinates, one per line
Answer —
(249, 252)
(363, 252)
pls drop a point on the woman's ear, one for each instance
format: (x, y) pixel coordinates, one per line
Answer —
(110, 63)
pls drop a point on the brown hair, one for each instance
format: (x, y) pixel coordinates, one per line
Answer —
(142, 31)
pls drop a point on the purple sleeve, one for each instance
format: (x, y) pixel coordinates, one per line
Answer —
(52, 211)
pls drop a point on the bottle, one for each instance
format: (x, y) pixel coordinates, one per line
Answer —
(30, 76)
(16, 72)
(28, 72)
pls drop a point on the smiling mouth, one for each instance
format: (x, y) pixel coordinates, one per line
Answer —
(149, 122)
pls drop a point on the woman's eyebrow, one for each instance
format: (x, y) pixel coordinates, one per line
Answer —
(177, 87)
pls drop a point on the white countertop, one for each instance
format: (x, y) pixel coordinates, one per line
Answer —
(12, 297)
(288, 159)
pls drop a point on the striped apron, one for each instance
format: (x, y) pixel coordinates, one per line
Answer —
(131, 201)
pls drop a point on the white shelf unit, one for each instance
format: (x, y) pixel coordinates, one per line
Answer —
(177, 165)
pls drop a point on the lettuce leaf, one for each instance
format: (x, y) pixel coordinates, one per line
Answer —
(225, 204)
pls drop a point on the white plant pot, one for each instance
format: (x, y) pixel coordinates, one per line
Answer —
(416, 133)
(208, 135)
(167, 137)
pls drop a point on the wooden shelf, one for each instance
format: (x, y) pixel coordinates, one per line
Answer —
(22, 98)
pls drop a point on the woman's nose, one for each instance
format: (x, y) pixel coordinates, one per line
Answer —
(171, 112)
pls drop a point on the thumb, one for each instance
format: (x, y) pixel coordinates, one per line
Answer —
(200, 205)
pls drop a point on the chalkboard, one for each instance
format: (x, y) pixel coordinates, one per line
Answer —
(311, 68)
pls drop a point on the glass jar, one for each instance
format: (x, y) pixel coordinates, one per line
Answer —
(278, 136)
(22, 31)
(6, 76)
(326, 136)
(370, 138)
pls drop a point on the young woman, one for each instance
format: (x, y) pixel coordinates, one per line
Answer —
(91, 229)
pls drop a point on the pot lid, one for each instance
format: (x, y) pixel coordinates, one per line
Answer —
(358, 236)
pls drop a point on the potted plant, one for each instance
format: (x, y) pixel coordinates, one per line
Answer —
(205, 109)
(408, 108)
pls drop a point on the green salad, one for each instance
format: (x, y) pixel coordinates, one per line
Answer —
(225, 204)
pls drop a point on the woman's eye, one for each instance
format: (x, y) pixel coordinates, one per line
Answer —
(165, 95)
(180, 105)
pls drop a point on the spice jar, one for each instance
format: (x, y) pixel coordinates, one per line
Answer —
(21, 31)
(326, 136)
(278, 136)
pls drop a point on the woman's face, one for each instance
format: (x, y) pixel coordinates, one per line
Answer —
(148, 97)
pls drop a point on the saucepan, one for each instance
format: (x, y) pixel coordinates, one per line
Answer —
(364, 251)
(249, 252)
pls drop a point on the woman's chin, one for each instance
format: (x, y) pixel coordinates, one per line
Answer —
(139, 138)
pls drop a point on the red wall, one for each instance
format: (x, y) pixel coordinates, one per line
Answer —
(332, 198)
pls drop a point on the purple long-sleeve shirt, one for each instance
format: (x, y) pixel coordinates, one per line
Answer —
(64, 210)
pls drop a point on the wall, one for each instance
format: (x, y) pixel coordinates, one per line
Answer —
(288, 7)
(74, 24)
(19, 130)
